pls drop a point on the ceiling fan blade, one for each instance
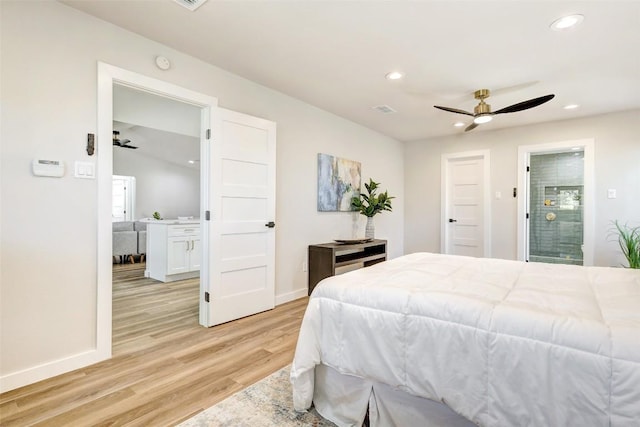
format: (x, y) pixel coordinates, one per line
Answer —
(525, 105)
(454, 110)
(472, 126)
(129, 146)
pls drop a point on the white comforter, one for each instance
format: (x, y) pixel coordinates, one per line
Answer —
(503, 343)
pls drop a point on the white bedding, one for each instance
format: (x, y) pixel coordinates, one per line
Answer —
(502, 343)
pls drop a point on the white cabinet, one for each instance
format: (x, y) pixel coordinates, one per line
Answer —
(173, 250)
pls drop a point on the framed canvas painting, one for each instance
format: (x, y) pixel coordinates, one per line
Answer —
(338, 181)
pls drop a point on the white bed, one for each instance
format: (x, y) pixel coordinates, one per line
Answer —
(430, 339)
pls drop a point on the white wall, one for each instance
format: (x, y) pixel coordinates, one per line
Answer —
(161, 186)
(48, 226)
(617, 166)
(155, 112)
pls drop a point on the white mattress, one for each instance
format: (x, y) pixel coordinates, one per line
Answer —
(500, 342)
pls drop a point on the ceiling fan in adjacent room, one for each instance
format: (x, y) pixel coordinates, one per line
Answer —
(124, 143)
(482, 112)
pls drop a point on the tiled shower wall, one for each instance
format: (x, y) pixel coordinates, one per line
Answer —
(556, 207)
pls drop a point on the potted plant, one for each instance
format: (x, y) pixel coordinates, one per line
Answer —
(371, 204)
(629, 241)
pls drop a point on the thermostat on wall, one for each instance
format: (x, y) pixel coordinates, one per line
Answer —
(53, 168)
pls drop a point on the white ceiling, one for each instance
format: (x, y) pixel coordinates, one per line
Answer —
(335, 54)
(161, 145)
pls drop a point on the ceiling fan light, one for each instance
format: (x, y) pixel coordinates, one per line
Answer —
(458, 124)
(394, 75)
(566, 22)
(482, 118)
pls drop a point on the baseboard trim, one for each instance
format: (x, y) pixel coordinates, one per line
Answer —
(48, 370)
(290, 296)
(51, 369)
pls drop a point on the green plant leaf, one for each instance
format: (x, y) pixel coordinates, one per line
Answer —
(629, 242)
(371, 204)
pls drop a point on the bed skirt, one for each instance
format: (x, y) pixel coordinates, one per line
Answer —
(344, 399)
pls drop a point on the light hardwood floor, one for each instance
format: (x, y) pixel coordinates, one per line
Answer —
(165, 367)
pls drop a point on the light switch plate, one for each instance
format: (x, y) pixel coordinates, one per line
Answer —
(85, 170)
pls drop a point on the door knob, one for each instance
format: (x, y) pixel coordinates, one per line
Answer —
(270, 224)
(453, 220)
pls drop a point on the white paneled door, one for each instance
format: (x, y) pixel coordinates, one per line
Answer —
(123, 198)
(242, 218)
(464, 219)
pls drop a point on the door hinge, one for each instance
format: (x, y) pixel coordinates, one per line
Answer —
(527, 215)
(208, 133)
(206, 297)
(528, 169)
(207, 215)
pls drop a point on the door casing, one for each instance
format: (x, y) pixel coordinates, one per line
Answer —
(108, 75)
(524, 152)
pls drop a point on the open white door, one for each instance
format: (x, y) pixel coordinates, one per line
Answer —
(242, 217)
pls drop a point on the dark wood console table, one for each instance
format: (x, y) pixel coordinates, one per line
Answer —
(325, 258)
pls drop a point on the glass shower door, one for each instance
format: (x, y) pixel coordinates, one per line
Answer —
(556, 217)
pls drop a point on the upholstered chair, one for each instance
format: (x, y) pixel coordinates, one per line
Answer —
(125, 240)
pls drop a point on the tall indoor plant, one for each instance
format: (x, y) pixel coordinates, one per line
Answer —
(629, 241)
(371, 204)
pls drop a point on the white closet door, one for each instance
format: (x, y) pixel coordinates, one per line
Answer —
(241, 232)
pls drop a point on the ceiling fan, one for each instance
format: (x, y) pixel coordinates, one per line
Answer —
(482, 112)
(124, 143)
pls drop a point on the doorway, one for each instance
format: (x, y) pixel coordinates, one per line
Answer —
(236, 279)
(124, 198)
(465, 219)
(108, 77)
(158, 149)
(556, 205)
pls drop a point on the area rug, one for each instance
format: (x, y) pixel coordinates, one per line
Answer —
(267, 403)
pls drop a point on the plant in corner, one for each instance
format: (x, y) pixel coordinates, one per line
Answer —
(629, 241)
(371, 204)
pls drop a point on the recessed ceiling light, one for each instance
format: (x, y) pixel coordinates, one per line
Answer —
(566, 22)
(571, 106)
(394, 75)
(458, 124)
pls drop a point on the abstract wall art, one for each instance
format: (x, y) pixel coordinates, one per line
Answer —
(338, 182)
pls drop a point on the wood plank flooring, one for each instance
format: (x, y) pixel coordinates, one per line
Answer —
(165, 366)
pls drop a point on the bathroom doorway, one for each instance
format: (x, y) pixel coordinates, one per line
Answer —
(556, 209)
(555, 206)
